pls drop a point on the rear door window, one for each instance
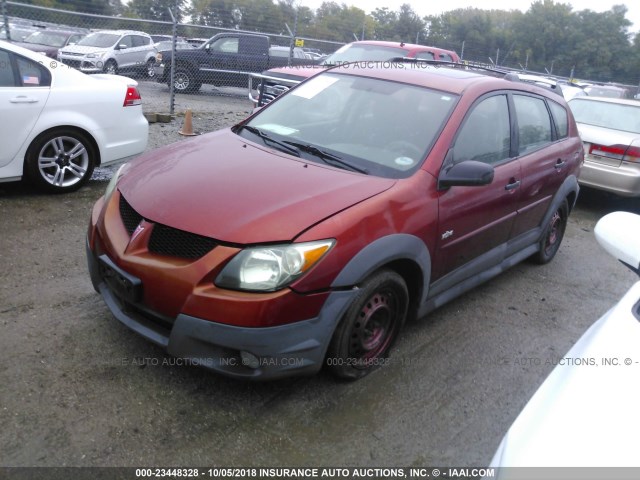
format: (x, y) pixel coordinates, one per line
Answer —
(6, 71)
(32, 74)
(534, 123)
(560, 118)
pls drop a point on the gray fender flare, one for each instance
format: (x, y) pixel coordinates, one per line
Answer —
(570, 185)
(400, 246)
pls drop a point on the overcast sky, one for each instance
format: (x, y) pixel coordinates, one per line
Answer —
(427, 7)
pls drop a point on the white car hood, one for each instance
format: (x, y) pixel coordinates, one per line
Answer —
(585, 415)
(84, 49)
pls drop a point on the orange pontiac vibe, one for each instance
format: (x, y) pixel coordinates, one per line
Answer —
(306, 235)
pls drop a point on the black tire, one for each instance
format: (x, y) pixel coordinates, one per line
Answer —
(150, 71)
(553, 234)
(184, 81)
(110, 67)
(370, 326)
(60, 161)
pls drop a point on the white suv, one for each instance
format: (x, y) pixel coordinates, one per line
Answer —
(111, 51)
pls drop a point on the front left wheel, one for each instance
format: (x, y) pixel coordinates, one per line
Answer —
(150, 68)
(60, 161)
(370, 326)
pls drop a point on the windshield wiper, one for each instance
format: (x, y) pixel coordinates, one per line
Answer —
(328, 158)
(266, 138)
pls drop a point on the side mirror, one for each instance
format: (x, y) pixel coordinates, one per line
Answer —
(618, 234)
(469, 173)
(122, 46)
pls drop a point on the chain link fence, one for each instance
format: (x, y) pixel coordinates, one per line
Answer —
(211, 59)
(213, 55)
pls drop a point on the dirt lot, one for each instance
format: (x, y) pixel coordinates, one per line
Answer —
(77, 388)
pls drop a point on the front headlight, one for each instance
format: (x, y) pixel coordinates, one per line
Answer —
(95, 55)
(271, 268)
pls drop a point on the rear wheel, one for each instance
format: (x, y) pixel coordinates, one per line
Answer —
(553, 234)
(60, 161)
(368, 329)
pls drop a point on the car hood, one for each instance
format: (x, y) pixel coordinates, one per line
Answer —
(84, 49)
(48, 50)
(592, 394)
(222, 186)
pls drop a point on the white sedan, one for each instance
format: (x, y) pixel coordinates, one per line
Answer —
(585, 414)
(58, 124)
(610, 130)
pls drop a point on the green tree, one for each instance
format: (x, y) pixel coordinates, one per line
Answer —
(156, 9)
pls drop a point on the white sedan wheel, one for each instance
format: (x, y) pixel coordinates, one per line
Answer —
(61, 162)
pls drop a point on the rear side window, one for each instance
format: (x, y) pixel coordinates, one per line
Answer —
(33, 74)
(425, 56)
(534, 123)
(6, 72)
(560, 118)
(446, 57)
(485, 135)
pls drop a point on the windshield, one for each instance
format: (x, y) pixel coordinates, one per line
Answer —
(614, 116)
(357, 52)
(382, 127)
(47, 38)
(101, 40)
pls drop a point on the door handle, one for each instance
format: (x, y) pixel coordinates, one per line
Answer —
(559, 164)
(513, 185)
(23, 99)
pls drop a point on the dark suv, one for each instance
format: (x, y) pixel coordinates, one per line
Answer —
(307, 234)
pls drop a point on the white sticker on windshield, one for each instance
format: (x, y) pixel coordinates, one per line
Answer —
(275, 128)
(314, 87)
(404, 161)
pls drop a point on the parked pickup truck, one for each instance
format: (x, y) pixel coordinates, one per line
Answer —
(276, 81)
(225, 59)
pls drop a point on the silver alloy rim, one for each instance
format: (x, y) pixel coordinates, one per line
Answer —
(150, 69)
(63, 161)
(110, 68)
(181, 81)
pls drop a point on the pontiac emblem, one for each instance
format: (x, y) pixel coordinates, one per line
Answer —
(136, 232)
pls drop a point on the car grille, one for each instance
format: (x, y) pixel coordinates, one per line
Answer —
(167, 240)
(271, 91)
(178, 243)
(72, 63)
(130, 218)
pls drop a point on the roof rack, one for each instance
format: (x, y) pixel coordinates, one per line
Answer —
(506, 73)
(464, 65)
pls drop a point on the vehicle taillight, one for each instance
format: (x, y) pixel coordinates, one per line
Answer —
(617, 152)
(632, 154)
(610, 151)
(132, 97)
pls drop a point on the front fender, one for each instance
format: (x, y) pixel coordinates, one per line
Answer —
(384, 251)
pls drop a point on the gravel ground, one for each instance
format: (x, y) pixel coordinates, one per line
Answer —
(77, 388)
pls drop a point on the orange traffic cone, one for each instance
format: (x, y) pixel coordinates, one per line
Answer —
(187, 127)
